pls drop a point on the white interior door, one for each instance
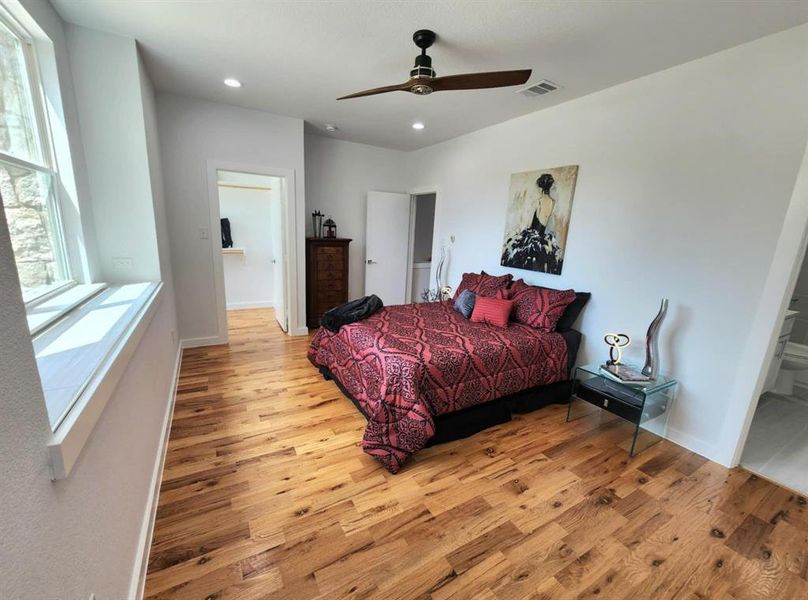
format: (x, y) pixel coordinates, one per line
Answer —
(387, 237)
(279, 253)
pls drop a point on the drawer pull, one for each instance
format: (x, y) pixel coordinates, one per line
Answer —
(605, 403)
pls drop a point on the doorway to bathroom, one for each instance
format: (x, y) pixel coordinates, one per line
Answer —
(777, 444)
(423, 228)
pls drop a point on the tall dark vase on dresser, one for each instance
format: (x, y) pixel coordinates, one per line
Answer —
(326, 276)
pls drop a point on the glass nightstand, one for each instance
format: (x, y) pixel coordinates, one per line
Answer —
(647, 406)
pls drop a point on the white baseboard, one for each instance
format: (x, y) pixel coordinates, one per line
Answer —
(299, 331)
(212, 340)
(248, 305)
(696, 445)
(138, 581)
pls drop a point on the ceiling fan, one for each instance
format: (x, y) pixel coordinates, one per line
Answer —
(423, 80)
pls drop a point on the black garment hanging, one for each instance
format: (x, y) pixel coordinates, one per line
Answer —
(227, 238)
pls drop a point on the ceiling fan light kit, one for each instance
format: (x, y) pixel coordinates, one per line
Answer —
(424, 80)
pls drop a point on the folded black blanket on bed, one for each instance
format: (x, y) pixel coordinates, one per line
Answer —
(350, 312)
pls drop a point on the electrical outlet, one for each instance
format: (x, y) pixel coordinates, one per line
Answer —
(122, 263)
(204, 233)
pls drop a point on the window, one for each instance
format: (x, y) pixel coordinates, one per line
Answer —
(28, 179)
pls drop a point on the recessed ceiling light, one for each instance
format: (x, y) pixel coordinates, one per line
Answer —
(233, 83)
(330, 128)
(418, 125)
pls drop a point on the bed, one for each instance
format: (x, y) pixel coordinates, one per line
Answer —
(422, 373)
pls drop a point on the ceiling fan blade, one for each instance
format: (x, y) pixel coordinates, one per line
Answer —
(475, 81)
(380, 90)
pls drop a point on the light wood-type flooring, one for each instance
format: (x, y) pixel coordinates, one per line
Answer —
(267, 494)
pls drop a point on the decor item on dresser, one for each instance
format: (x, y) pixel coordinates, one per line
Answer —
(326, 276)
(651, 368)
(329, 228)
(538, 219)
(227, 236)
(317, 224)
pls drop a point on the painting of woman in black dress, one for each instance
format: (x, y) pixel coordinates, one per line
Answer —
(538, 219)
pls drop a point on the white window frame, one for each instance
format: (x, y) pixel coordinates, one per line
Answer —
(48, 167)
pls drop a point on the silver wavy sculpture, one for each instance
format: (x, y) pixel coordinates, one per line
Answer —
(651, 368)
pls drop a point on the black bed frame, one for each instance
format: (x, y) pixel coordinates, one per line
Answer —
(471, 420)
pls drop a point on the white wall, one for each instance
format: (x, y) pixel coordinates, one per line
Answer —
(249, 277)
(338, 176)
(81, 535)
(193, 132)
(684, 180)
(107, 79)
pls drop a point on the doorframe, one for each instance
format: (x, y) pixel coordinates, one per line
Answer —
(413, 192)
(288, 198)
(792, 244)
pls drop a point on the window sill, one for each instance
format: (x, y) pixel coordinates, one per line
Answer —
(82, 358)
(46, 312)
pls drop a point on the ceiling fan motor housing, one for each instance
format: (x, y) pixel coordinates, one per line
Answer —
(422, 67)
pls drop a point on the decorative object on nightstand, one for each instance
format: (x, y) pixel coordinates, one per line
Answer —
(326, 276)
(651, 367)
(329, 228)
(647, 405)
(616, 343)
(446, 292)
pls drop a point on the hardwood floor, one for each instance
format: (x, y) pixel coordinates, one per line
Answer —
(267, 494)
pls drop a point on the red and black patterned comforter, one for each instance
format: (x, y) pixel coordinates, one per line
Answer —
(406, 364)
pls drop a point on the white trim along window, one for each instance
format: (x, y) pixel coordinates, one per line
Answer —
(83, 333)
(29, 181)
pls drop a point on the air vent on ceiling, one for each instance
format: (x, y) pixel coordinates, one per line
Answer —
(539, 89)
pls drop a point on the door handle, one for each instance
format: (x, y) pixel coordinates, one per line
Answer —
(274, 261)
(371, 262)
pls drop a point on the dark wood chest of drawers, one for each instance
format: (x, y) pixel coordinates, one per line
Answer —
(326, 276)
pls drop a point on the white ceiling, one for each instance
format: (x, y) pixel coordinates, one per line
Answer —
(295, 58)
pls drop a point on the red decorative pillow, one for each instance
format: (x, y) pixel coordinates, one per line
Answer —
(493, 311)
(539, 307)
(483, 284)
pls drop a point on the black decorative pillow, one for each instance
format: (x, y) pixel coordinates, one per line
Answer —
(465, 303)
(570, 315)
